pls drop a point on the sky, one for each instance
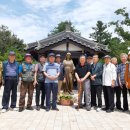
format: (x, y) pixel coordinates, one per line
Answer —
(32, 20)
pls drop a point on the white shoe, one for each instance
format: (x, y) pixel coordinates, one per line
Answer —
(3, 111)
(98, 109)
(93, 108)
(15, 109)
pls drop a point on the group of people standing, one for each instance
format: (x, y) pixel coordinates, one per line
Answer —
(111, 77)
(51, 75)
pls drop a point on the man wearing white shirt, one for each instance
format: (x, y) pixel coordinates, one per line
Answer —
(109, 78)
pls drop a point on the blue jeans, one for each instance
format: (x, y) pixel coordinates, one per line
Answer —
(51, 87)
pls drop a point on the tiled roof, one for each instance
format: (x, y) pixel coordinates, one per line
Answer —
(67, 35)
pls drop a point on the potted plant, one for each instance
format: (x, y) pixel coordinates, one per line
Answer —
(66, 100)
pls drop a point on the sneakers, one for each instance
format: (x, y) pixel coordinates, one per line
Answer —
(98, 109)
(3, 111)
(15, 109)
(94, 108)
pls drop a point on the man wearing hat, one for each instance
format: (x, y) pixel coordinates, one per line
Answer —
(26, 71)
(109, 78)
(39, 82)
(51, 71)
(61, 76)
(10, 76)
(127, 72)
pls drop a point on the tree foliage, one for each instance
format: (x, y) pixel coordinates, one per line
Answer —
(101, 34)
(121, 41)
(122, 27)
(8, 42)
(62, 27)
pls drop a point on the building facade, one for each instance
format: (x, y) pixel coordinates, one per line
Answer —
(66, 41)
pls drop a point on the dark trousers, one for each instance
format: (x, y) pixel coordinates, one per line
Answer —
(117, 91)
(125, 100)
(109, 97)
(26, 87)
(40, 89)
(96, 91)
(10, 87)
(51, 87)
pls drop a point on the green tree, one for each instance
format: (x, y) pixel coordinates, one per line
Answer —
(62, 27)
(121, 28)
(122, 25)
(101, 34)
(9, 41)
(121, 42)
(118, 47)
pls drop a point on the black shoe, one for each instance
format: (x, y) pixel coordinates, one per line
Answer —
(120, 109)
(38, 108)
(43, 107)
(47, 109)
(29, 108)
(109, 111)
(21, 109)
(56, 109)
(88, 108)
(125, 110)
(104, 109)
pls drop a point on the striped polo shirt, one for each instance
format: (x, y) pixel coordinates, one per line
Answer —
(51, 69)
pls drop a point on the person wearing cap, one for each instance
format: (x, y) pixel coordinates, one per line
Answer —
(26, 71)
(61, 76)
(127, 73)
(108, 79)
(39, 82)
(122, 82)
(51, 71)
(10, 77)
(96, 83)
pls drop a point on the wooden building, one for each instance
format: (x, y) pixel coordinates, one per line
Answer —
(66, 41)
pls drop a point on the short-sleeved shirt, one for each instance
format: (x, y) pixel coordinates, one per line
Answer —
(82, 70)
(121, 72)
(51, 69)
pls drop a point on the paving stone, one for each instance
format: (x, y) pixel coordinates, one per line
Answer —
(66, 119)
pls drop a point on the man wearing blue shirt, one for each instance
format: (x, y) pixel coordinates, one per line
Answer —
(51, 71)
(26, 71)
(10, 76)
